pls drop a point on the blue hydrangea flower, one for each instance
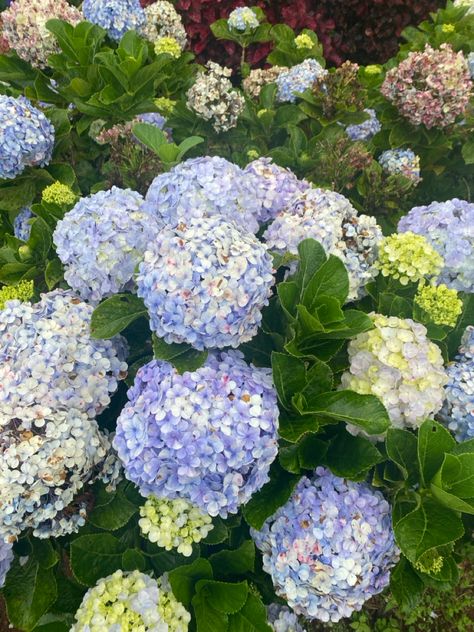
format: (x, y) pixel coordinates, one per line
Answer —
(115, 16)
(298, 79)
(207, 436)
(458, 409)
(330, 548)
(242, 18)
(101, 240)
(21, 224)
(26, 136)
(367, 129)
(276, 187)
(205, 283)
(448, 228)
(6, 558)
(401, 161)
(204, 187)
(282, 619)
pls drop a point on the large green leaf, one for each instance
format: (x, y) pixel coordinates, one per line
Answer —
(401, 446)
(236, 562)
(184, 578)
(183, 357)
(115, 313)
(331, 278)
(289, 377)
(350, 456)
(95, 556)
(433, 441)
(405, 584)
(112, 511)
(251, 618)
(223, 596)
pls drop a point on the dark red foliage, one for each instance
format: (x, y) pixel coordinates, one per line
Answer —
(366, 31)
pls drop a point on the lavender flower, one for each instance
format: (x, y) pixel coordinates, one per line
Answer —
(26, 136)
(448, 228)
(364, 131)
(282, 619)
(205, 283)
(401, 161)
(115, 16)
(22, 225)
(6, 558)
(207, 436)
(298, 79)
(330, 548)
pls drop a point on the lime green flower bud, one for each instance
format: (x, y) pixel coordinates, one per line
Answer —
(167, 45)
(165, 106)
(373, 69)
(24, 253)
(448, 28)
(441, 303)
(303, 41)
(21, 292)
(408, 257)
(58, 193)
(430, 562)
(253, 154)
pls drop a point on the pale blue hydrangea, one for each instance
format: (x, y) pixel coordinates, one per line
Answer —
(401, 161)
(26, 136)
(470, 63)
(48, 358)
(297, 79)
(204, 187)
(205, 283)
(155, 118)
(282, 619)
(458, 409)
(242, 19)
(331, 219)
(276, 187)
(364, 131)
(101, 240)
(6, 558)
(330, 548)
(115, 16)
(22, 225)
(208, 436)
(448, 226)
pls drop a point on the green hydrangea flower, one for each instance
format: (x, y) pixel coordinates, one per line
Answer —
(165, 106)
(21, 292)
(373, 69)
(408, 257)
(303, 41)
(440, 302)
(430, 562)
(167, 45)
(58, 193)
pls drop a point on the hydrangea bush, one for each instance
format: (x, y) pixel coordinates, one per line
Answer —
(236, 314)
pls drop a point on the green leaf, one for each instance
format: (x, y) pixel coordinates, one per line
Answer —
(468, 152)
(133, 560)
(184, 578)
(29, 591)
(361, 452)
(44, 553)
(312, 256)
(183, 357)
(113, 512)
(401, 446)
(222, 596)
(237, 562)
(95, 556)
(53, 273)
(405, 584)
(115, 313)
(40, 240)
(331, 278)
(312, 451)
(457, 475)
(289, 377)
(270, 497)
(150, 135)
(451, 501)
(433, 441)
(219, 532)
(292, 427)
(187, 144)
(319, 379)
(208, 618)
(251, 618)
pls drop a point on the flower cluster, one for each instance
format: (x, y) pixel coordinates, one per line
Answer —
(26, 136)
(205, 283)
(205, 187)
(331, 219)
(22, 224)
(207, 436)
(242, 19)
(276, 187)
(24, 27)
(430, 87)
(470, 63)
(162, 20)
(167, 45)
(408, 257)
(330, 548)
(259, 77)
(365, 130)
(115, 16)
(458, 409)
(440, 303)
(282, 619)
(21, 292)
(58, 193)
(48, 359)
(6, 558)
(448, 228)
(174, 524)
(213, 98)
(298, 79)
(303, 41)
(101, 240)
(45, 462)
(131, 602)
(401, 161)
(396, 362)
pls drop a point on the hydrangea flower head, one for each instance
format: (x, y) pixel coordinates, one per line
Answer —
(162, 20)
(365, 130)
(396, 362)
(205, 283)
(282, 619)
(6, 558)
(303, 41)
(58, 193)
(448, 228)
(408, 257)
(117, 17)
(330, 548)
(205, 187)
(242, 19)
(207, 436)
(24, 28)
(430, 87)
(101, 240)
(174, 524)
(458, 408)
(213, 98)
(21, 292)
(26, 136)
(331, 219)
(470, 63)
(276, 187)
(298, 79)
(48, 356)
(131, 602)
(168, 45)
(401, 161)
(22, 224)
(441, 304)
(260, 77)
